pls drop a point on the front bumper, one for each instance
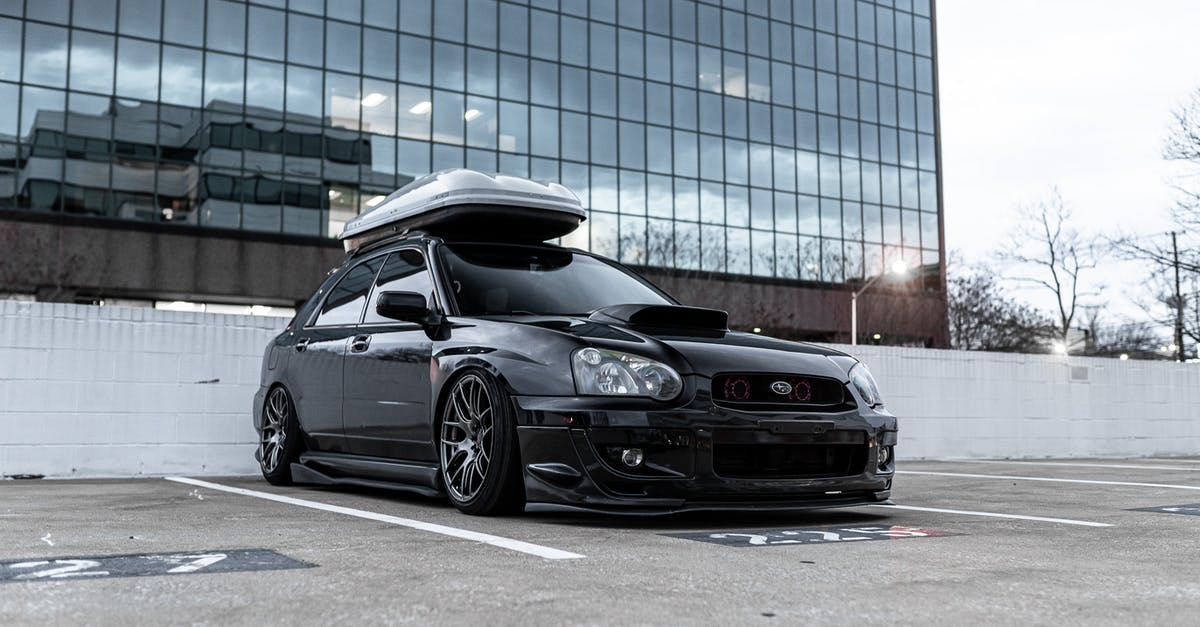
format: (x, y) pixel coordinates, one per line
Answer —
(700, 457)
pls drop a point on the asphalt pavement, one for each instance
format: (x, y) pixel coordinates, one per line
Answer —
(1052, 541)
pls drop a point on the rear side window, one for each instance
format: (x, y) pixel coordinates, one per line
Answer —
(348, 298)
(403, 272)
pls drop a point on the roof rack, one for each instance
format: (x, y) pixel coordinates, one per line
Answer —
(461, 203)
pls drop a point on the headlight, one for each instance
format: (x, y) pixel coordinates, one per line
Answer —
(611, 373)
(865, 384)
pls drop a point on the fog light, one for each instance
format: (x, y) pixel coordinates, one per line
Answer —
(885, 455)
(632, 457)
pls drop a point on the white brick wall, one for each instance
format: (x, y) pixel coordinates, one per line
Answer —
(99, 391)
(112, 391)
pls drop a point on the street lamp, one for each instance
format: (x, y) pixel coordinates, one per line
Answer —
(897, 267)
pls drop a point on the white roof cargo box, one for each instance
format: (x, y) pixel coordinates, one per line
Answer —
(469, 204)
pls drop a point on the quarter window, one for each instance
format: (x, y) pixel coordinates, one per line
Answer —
(346, 301)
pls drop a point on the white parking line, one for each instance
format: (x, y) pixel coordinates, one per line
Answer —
(1050, 479)
(1079, 464)
(1065, 521)
(474, 536)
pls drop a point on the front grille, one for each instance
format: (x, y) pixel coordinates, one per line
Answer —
(759, 391)
(788, 461)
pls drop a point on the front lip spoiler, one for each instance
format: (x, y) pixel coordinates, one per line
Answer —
(659, 508)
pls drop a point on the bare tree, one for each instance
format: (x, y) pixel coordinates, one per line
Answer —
(983, 317)
(1047, 251)
(1183, 146)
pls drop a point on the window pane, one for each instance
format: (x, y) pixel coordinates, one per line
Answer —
(222, 78)
(514, 77)
(306, 39)
(267, 26)
(264, 86)
(137, 69)
(448, 18)
(514, 28)
(140, 17)
(450, 69)
(575, 35)
(543, 131)
(574, 136)
(403, 272)
(514, 127)
(414, 59)
(379, 53)
(632, 145)
(415, 108)
(481, 121)
(448, 110)
(378, 107)
(45, 55)
(481, 71)
(344, 43)
(95, 14)
(348, 298)
(415, 16)
(303, 91)
(603, 51)
(226, 26)
(180, 76)
(92, 62)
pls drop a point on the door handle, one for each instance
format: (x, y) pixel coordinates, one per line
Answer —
(360, 343)
(302, 344)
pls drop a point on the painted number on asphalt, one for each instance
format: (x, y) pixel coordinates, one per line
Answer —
(815, 535)
(66, 568)
(1187, 510)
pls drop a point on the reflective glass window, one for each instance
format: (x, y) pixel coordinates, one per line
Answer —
(304, 91)
(632, 145)
(629, 51)
(404, 271)
(481, 71)
(514, 28)
(760, 122)
(514, 127)
(658, 149)
(735, 117)
(448, 120)
(10, 50)
(140, 17)
(380, 13)
(737, 159)
(658, 103)
(543, 83)
(658, 58)
(222, 78)
(481, 117)
(414, 59)
(543, 132)
(603, 47)
(181, 75)
(95, 14)
(416, 16)
(92, 62)
(378, 106)
(48, 10)
(379, 53)
(305, 39)
(574, 88)
(264, 85)
(137, 69)
(514, 77)
(603, 90)
(226, 26)
(45, 55)
(267, 29)
(448, 18)
(449, 65)
(543, 34)
(684, 103)
(632, 99)
(686, 157)
(604, 141)
(8, 110)
(574, 136)
(633, 193)
(481, 23)
(683, 63)
(342, 51)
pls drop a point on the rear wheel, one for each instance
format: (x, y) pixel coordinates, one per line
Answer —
(480, 463)
(279, 443)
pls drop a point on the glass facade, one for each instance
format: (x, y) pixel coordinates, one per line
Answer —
(777, 138)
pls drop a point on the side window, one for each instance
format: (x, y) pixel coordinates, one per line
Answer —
(403, 272)
(347, 298)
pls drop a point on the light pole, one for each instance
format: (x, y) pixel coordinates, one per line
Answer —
(898, 267)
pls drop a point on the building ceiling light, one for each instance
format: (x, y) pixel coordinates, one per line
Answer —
(421, 108)
(471, 114)
(373, 99)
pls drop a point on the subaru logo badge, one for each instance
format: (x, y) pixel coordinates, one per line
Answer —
(783, 388)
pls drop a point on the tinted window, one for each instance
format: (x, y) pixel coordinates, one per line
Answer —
(403, 272)
(345, 302)
(492, 279)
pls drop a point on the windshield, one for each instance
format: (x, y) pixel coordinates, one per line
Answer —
(503, 279)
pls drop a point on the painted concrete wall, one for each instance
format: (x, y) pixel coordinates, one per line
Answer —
(104, 391)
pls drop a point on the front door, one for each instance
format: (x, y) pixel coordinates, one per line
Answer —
(316, 366)
(386, 400)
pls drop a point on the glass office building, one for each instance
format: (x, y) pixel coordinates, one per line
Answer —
(793, 140)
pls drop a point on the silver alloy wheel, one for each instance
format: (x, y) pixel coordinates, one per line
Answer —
(467, 437)
(274, 431)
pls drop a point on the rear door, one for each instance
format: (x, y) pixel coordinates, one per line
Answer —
(386, 403)
(315, 368)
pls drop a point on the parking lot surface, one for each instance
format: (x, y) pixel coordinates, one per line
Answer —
(1000, 542)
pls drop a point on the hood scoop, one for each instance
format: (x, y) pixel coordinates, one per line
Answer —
(664, 317)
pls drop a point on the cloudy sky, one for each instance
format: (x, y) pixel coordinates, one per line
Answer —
(1076, 94)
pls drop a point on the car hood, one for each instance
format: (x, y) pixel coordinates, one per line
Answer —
(706, 351)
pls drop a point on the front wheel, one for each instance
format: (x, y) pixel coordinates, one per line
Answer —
(480, 463)
(280, 442)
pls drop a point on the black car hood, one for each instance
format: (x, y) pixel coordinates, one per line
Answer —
(707, 350)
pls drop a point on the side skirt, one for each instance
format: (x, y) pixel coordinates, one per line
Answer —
(369, 472)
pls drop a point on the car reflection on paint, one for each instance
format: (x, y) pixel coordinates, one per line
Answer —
(465, 358)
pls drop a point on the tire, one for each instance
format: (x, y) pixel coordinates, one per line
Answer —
(478, 454)
(280, 442)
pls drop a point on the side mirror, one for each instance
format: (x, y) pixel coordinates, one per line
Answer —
(404, 306)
